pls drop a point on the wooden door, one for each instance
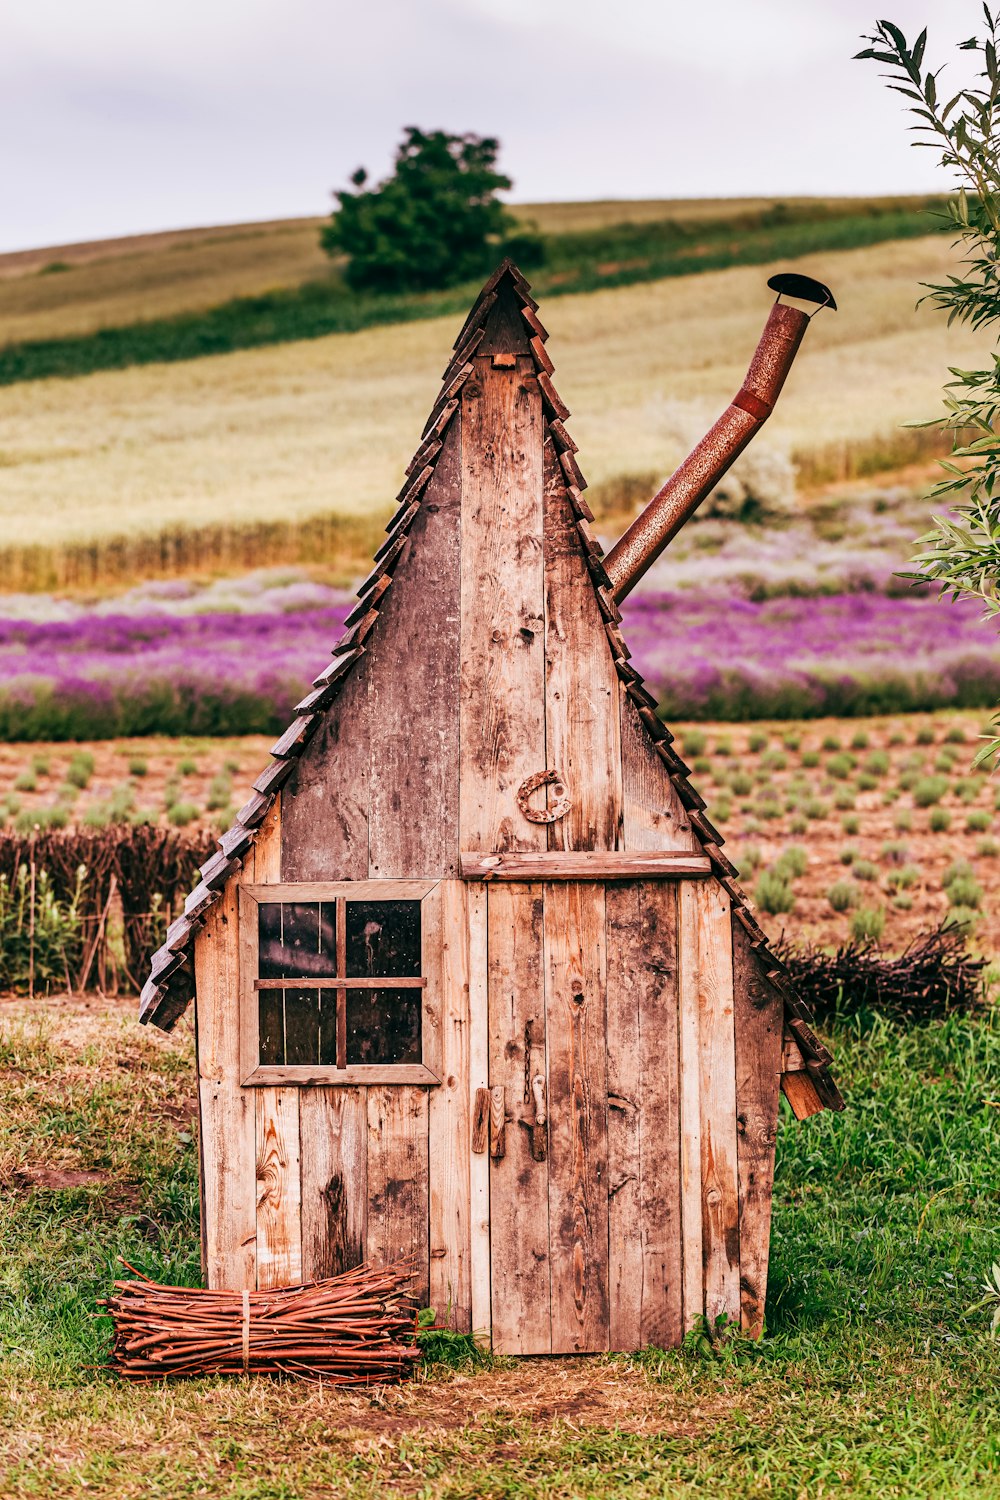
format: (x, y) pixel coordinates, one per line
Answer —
(584, 1214)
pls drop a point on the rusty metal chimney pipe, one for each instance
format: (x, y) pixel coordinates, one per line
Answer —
(635, 552)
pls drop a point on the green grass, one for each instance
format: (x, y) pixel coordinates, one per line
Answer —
(613, 255)
(870, 1381)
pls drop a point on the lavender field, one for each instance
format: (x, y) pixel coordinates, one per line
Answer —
(798, 620)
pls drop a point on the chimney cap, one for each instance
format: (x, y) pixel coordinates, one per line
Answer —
(793, 284)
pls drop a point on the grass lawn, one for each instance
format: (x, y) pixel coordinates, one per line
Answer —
(870, 1381)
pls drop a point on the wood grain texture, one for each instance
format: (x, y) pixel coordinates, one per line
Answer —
(479, 1073)
(582, 734)
(263, 863)
(719, 1164)
(503, 667)
(598, 864)
(226, 1113)
(689, 1073)
(279, 1186)
(414, 677)
(576, 1029)
(645, 1273)
(333, 1137)
(397, 1181)
(449, 1119)
(356, 1075)
(758, 1012)
(519, 1198)
(324, 821)
(652, 814)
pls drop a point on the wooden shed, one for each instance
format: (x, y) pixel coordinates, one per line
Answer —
(475, 982)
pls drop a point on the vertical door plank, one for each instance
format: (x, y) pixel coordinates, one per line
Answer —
(503, 669)
(479, 1078)
(758, 1014)
(643, 1116)
(581, 686)
(397, 1180)
(519, 1199)
(653, 817)
(719, 1177)
(415, 652)
(333, 1136)
(576, 1028)
(625, 1240)
(688, 986)
(449, 1116)
(279, 1183)
(226, 1111)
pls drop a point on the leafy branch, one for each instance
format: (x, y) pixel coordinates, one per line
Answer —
(961, 553)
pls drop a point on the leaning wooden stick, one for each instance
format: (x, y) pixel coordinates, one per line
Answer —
(354, 1329)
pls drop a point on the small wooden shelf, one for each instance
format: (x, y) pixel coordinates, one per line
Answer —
(597, 864)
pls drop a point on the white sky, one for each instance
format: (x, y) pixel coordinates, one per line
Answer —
(122, 116)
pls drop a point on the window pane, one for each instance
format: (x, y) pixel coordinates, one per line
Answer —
(301, 1027)
(272, 1026)
(383, 939)
(383, 1026)
(297, 939)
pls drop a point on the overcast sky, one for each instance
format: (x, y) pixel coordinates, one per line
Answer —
(121, 116)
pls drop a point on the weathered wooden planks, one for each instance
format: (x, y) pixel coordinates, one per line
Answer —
(652, 815)
(717, 1088)
(226, 1112)
(333, 1134)
(397, 1180)
(502, 731)
(689, 1059)
(598, 864)
(576, 1027)
(644, 1270)
(519, 1200)
(413, 704)
(758, 1013)
(324, 823)
(479, 1072)
(279, 1188)
(449, 1118)
(581, 686)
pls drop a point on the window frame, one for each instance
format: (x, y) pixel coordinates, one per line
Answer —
(255, 1074)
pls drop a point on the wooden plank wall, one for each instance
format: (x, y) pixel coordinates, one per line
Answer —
(576, 1038)
(582, 738)
(644, 1166)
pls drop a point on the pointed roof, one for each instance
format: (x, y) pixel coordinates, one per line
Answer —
(168, 990)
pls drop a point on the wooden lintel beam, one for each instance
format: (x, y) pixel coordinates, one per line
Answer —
(597, 864)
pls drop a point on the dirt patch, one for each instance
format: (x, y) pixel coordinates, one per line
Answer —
(56, 1178)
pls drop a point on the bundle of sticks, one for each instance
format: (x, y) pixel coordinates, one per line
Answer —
(934, 976)
(354, 1329)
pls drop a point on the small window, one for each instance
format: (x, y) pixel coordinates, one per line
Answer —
(338, 982)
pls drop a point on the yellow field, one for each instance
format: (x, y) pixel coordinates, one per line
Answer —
(111, 282)
(298, 429)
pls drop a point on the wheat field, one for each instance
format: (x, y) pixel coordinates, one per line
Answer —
(291, 431)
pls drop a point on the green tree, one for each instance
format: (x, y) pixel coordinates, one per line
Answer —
(435, 222)
(962, 551)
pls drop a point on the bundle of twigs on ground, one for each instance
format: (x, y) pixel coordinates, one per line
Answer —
(353, 1329)
(934, 976)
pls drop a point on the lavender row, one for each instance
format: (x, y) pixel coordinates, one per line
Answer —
(104, 676)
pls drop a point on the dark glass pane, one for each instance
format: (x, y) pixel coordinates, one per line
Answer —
(383, 1026)
(328, 1028)
(301, 1027)
(272, 1026)
(383, 939)
(297, 939)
